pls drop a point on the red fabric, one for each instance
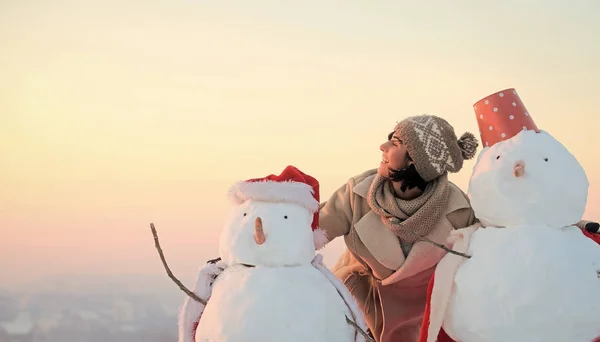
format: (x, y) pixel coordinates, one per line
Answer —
(593, 236)
(293, 174)
(194, 329)
(501, 116)
(442, 336)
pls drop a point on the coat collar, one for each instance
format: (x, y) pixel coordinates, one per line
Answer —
(362, 187)
(456, 198)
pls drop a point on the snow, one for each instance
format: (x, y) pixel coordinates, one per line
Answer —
(287, 226)
(532, 275)
(553, 190)
(281, 296)
(528, 283)
(274, 304)
(192, 310)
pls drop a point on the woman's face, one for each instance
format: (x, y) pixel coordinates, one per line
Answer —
(394, 155)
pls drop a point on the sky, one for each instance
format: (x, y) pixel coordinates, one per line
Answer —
(117, 114)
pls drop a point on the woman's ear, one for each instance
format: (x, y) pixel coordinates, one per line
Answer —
(409, 160)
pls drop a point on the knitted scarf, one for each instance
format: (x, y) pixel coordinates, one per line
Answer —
(409, 220)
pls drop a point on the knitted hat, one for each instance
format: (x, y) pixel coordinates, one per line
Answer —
(433, 146)
(291, 186)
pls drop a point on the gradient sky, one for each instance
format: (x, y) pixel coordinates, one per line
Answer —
(115, 114)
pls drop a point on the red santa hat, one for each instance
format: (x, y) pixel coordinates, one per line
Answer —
(291, 186)
(501, 116)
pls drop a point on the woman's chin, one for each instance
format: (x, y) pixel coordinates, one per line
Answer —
(383, 170)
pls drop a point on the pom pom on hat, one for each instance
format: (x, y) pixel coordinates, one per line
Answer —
(468, 145)
(291, 186)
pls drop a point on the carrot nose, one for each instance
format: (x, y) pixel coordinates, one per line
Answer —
(259, 233)
(519, 169)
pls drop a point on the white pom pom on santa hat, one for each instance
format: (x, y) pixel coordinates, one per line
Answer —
(291, 186)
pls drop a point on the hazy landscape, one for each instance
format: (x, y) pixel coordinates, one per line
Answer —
(91, 308)
(115, 114)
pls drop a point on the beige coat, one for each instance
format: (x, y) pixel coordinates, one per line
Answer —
(390, 288)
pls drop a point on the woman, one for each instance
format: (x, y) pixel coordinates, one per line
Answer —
(391, 218)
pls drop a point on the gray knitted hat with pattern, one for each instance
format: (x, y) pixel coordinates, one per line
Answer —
(433, 145)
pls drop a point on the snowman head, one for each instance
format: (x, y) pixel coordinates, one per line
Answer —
(528, 179)
(523, 175)
(274, 221)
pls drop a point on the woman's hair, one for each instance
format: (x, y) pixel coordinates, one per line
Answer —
(409, 177)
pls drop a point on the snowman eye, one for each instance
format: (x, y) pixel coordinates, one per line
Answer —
(245, 214)
(285, 217)
(498, 157)
(545, 159)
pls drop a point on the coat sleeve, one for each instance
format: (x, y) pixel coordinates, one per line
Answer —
(463, 217)
(335, 215)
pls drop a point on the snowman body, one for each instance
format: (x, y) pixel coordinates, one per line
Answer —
(274, 304)
(527, 283)
(532, 275)
(270, 291)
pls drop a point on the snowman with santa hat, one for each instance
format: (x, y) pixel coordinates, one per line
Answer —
(531, 273)
(268, 284)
